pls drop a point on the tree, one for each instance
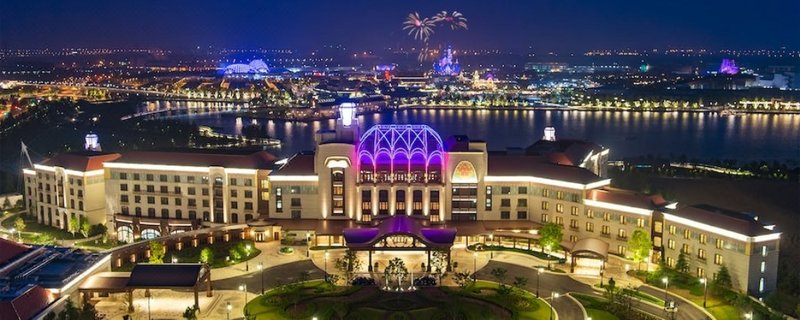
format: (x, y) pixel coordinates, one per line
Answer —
(6, 203)
(206, 255)
(85, 227)
(462, 279)
(438, 261)
(682, 265)
(640, 245)
(88, 312)
(73, 226)
(157, 252)
(519, 283)
(723, 281)
(500, 275)
(190, 313)
(550, 236)
(348, 264)
(19, 224)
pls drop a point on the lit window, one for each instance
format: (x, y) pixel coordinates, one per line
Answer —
(717, 259)
(763, 266)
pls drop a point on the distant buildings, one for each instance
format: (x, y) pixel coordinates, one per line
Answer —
(253, 69)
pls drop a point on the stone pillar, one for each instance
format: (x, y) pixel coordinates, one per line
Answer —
(428, 266)
(369, 266)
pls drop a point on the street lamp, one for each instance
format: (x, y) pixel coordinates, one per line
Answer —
(491, 251)
(665, 280)
(243, 288)
(308, 245)
(261, 270)
(553, 297)
(228, 307)
(475, 266)
(326, 264)
(148, 307)
(749, 315)
(601, 277)
(704, 281)
(247, 256)
(539, 272)
(174, 259)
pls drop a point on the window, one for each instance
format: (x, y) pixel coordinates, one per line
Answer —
(701, 273)
(522, 215)
(505, 190)
(673, 230)
(400, 201)
(505, 215)
(125, 234)
(164, 213)
(545, 218)
(622, 219)
(149, 177)
(560, 195)
(761, 284)
(701, 254)
(191, 191)
(545, 205)
(605, 230)
(589, 213)
(234, 193)
(178, 214)
(416, 205)
(278, 199)
(574, 211)
(545, 193)
(640, 222)
(249, 205)
(366, 202)
(248, 194)
(234, 205)
(504, 203)
(295, 202)
(590, 227)
(383, 202)
(621, 250)
(150, 234)
(671, 244)
(658, 227)
(763, 266)
(151, 212)
(606, 216)
(685, 248)
(522, 190)
(488, 198)
(703, 239)
(559, 208)
(164, 201)
(192, 202)
(763, 251)
(622, 234)
(573, 224)
(717, 259)
(176, 179)
(560, 220)
(234, 217)
(123, 176)
(177, 190)
(522, 203)
(687, 234)
(233, 183)
(162, 178)
(123, 187)
(123, 198)
(151, 200)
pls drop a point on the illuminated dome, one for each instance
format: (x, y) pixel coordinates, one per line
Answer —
(259, 66)
(254, 67)
(388, 153)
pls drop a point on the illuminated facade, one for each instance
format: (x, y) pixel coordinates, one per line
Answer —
(354, 179)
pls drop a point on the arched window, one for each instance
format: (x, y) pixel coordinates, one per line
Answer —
(234, 218)
(150, 234)
(176, 231)
(178, 214)
(164, 214)
(125, 234)
(138, 211)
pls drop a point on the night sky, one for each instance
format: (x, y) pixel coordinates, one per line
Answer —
(547, 25)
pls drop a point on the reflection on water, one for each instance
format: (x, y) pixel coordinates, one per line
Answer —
(698, 135)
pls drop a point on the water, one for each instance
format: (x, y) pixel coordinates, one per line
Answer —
(703, 136)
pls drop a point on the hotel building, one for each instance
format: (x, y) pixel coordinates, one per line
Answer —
(412, 179)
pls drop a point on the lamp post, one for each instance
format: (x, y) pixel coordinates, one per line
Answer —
(491, 251)
(665, 280)
(601, 277)
(228, 307)
(553, 297)
(326, 265)
(308, 245)
(148, 307)
(704, 281)
(261, 270)
(474, 267)
(539, 272)
(247, 256)
(243, 288)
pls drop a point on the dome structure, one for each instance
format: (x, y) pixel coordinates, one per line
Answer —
(413, 153)
(257, 66)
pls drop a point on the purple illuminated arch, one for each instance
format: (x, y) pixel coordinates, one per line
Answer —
(401, 147)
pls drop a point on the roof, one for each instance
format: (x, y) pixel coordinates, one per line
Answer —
(254, 160)
(739, 222)
(25, 305)
(107, 281)
(168, 275)
(520, 165)
(80, 161)
(299, 164)
(590, 246)
(400, 225)
(564, 151)
(627, 198)
(10, 249)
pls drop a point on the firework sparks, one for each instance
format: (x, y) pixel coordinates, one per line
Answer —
(455, 20)
(421, 28)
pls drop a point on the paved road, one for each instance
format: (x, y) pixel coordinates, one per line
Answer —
(686, 310)
(566, 308)
(273, 277)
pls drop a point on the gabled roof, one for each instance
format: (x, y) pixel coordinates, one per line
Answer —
(80, 161)
(298, 165)
(10, 249)
(254, 160)
(627, 198)
(25, 305)
(521, 165)
(739, 222)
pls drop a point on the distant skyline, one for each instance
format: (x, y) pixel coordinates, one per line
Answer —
(546, 25)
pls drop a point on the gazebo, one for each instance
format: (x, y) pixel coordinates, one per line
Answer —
(401, 233)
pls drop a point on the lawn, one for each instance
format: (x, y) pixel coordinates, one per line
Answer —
(220, 258)
(324, 301)
(97, 244)
(37, 233)
(597, 314)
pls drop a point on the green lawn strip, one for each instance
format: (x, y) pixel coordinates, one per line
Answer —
(192, 255)
(273, 304)
(538, 254)
(523, 305)
(32, 227)
(597, 314)
(97, 244)
(717, 307)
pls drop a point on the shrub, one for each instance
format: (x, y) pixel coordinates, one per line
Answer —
(426, 281)
(362, 281)
(97, 229)
(286, 250)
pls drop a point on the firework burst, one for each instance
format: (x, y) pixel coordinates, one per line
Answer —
(421, 28)
(455, 20)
